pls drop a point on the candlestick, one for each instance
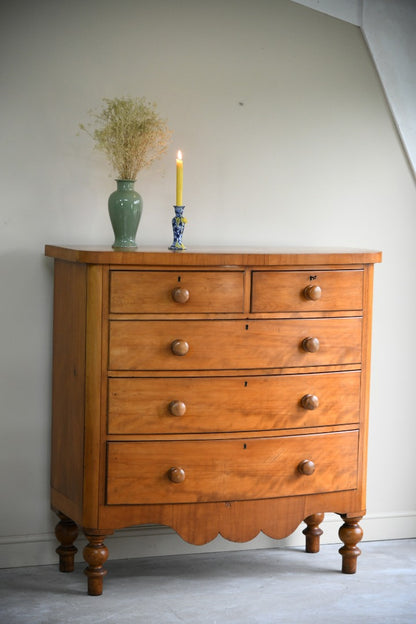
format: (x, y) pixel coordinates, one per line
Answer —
(178, 226)
(179, 178)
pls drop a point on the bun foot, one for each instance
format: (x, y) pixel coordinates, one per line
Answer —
(66, 532)
(350, 533)
(95, 554)
(313, 532)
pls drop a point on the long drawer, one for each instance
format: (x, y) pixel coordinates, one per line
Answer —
(307, 291)
(166, 292)
(227, 470)
(216, 345)
(198, 404)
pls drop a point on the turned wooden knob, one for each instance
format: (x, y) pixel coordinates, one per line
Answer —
(180, 294)
(177, 475)
(310, 401)
(310, 344)
(312, 292)
(179, 347)
(306, 467)
(177, 408)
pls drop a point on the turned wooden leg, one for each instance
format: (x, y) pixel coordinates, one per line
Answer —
(95, 554)
(66, 532)
(350, 533)
(313, 532)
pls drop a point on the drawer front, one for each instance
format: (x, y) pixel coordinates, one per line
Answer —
(220, 404)
(164, 292)
(226, 470)
(306, 291)
(216, 345)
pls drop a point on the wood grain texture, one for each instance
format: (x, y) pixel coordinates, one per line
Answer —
(238, 521)
(284, 291)
(152, 291)
(224, 470)
(146, 345)
(365, 383)
(93, 397)
(214, 391)
(68, 386)
(214, 404)
(215, 256)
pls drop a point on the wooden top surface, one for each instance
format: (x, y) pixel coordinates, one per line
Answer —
(214, 256)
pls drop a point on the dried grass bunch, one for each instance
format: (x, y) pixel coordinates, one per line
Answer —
(130, 133)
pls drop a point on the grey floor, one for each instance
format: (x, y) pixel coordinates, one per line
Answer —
(246, 587)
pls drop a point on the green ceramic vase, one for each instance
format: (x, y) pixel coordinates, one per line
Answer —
(125, 208)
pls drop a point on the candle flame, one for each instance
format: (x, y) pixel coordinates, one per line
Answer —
(179, 156)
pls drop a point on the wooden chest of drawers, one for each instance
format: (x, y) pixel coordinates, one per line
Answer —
(211, 391)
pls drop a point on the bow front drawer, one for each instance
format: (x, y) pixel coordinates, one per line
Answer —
(307, 291)
(164, 292)
(212, 404)
(215, 345)
(224, 470)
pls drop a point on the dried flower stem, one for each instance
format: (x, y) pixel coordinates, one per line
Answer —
(130, 133)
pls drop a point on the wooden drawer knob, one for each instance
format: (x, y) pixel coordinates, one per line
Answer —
(177, 475)
(180, 295)
(306, 467)
(177, 408)
(179, 347)
(310, 344)
(313, 292)
(309, 401)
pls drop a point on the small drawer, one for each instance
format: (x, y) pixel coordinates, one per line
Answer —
(167, 292)
(220, 404)
(217, 345)
(306, 291)
(228, 470)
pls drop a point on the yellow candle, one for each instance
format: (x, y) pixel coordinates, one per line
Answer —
(179, 178)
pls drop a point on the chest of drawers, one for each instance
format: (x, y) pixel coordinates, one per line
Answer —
(216, 391)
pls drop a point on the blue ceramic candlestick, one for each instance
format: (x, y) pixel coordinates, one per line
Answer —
(178, 226)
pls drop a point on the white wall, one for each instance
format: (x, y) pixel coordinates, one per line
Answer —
(389, 29)
(287, 140)
(346, 10)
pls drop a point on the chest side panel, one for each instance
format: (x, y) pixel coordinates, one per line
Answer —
(67, 460)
